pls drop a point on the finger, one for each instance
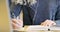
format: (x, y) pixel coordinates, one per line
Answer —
(20, 21)
(46, 23)
(43, 24)
(51, 23)
(15, 26)
(16, 21)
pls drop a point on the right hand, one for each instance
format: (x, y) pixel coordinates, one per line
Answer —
(48, 23)
(17, 23)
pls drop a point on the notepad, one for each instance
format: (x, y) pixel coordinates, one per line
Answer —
(38, 27)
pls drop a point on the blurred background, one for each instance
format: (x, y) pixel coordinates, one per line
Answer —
(4, 21)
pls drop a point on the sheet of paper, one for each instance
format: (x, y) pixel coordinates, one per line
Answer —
(38, 27)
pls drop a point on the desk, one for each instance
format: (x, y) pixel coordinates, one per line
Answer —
(26, 30)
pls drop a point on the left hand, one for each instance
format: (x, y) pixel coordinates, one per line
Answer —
(48, 23)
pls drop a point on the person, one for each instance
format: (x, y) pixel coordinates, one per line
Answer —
(40, 12)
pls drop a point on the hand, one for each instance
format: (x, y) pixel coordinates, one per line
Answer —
(48, 23)
(17, 23)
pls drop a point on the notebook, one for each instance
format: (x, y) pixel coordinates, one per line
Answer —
(39, 27)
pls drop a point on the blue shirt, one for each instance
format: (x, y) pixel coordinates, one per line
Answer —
(39, 12)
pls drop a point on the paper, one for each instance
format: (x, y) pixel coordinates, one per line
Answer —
(38, 27)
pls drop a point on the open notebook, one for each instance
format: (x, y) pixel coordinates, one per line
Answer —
(4, 17)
